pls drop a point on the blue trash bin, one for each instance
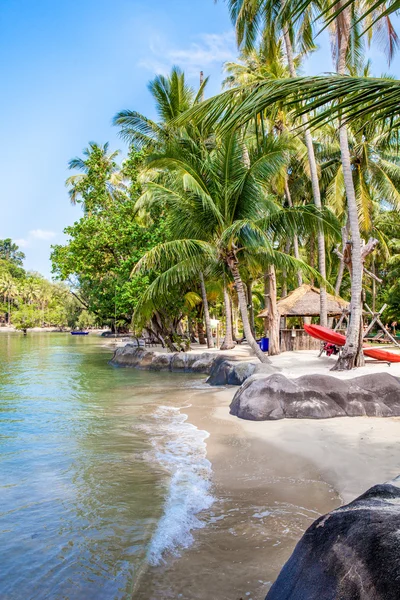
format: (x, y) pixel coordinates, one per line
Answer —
(264, 344)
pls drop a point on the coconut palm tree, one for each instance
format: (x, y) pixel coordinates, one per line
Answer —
(9, 289)
(172, 96)
(345, 38)
(99, 180)
(219, 211)
(254, 16)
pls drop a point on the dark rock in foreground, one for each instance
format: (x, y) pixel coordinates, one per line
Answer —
(316, 397)
(353, 553)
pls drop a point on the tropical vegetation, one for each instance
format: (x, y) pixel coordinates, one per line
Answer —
(222, 205)
(27, 299)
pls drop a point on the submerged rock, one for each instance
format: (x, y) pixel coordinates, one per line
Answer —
(353, 553)
(316, 397)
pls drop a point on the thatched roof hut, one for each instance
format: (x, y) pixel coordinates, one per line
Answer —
(304, 302)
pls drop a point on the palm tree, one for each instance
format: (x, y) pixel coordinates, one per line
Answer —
(9, 290)
(251, 17)
(99, 180)
(255, 65)
(172, 96)
(257, 101)
(375, 170)
(219, 210)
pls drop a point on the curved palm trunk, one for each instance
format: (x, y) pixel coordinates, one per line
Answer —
(228, 342)
(352, 355)
(210, 340)
(315, 187)
(342, 266)
(232, 264)
(249, 292)
(273, 320)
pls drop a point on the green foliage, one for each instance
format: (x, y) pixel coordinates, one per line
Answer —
(98, 181)
(29, 297)
(26, 317)
(105, 245)
(10, 252)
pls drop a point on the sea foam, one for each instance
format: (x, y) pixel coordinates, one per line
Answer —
(180, 449)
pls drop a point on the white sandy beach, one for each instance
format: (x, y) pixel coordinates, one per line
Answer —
(271, 480)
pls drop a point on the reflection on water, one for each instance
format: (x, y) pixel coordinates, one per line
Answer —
(79, 502)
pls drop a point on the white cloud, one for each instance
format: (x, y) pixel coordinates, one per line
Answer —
(22, 243)
(33, 235)
(210, 50)
(42, 234)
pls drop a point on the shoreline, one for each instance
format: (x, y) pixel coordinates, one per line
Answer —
(271, 480)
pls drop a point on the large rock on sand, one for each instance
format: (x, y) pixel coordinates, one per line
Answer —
(353, 553)
(231, 372)
(316, 397)
(140, 358)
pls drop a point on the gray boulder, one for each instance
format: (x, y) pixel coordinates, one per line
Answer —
(203, 363)
(132, 356)
(160, 362)
(231, 372)
(353, 553)
(316, 397)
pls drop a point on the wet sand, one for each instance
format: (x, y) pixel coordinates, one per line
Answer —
(271, 480)
(265, 498)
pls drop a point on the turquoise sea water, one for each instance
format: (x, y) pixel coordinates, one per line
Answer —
(97, 469)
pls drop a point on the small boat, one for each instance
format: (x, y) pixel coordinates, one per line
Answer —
(333, 337)
(79, 333)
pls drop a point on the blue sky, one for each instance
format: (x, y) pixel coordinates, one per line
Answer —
(67, 67)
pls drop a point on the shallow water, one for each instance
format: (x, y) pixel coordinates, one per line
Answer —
(101, 475)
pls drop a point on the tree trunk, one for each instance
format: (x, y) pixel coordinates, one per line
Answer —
(274, 345)
(342, 266)
(266, 303)
(228, 343)
(200, 332)
(284, 292)
(210, 340)
(233, 320)
(295, 238)
(352, 355)
(191, 331)
(315, 187)
(312, 256)
(373, 287)
(250, 305)
(232, 264)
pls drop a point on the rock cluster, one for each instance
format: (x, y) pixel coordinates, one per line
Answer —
(132, 356)
(316, 397)
(353, 553)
